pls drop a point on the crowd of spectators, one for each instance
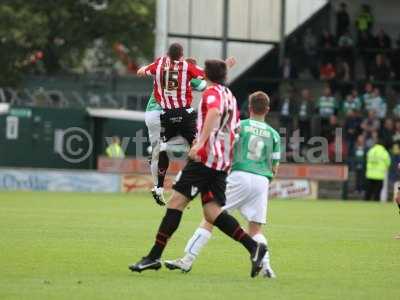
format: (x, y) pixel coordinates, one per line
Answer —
(333, 56)
(355, 63)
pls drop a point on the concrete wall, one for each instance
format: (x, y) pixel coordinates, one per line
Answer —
(248, 20)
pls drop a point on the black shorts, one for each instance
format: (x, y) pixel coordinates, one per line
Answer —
(196, 178)
(180, 121)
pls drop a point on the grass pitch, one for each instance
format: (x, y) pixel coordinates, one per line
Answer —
(78, 246)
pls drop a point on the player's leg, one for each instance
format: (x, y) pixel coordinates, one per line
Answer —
(153, 123)
(188, 127)
(167, 131)
(212, 201)
(193, 247)
(254, 210)
(236, 192)
(168, 226)
(230, 226)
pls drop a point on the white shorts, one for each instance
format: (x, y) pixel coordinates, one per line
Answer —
(153, 123)
(247, 193)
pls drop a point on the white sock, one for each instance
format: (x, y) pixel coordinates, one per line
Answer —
(196, 243)
(154, 171)
(260, 238)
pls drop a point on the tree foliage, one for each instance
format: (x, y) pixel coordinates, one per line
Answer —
(59, 32)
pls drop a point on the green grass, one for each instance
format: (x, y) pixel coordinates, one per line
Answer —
(78, 246)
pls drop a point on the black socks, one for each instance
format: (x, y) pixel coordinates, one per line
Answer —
(163, 164)
(228, 225)
(168, 225)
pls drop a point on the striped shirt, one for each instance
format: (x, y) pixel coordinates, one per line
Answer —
(217, 152)
(172, 82)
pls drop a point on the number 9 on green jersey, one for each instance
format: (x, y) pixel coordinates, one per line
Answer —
(258, 148)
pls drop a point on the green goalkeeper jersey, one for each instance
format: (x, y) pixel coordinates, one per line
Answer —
(197, 84)
(258, 148)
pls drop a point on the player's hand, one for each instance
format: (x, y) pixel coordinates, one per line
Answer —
(230, 62)
(141, 72)
(193, 152)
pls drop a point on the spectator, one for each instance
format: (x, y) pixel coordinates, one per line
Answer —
(326, 107)
(378, 163)
(287, 111)
(382, 40)
(346, 47)
(380, 70)
(288, 70)
(327, 44)
(366, 97)
(365, 20)
(114, 150)
(342, 20)
(304, 114)
(359, 163)
(370, 126)
(387, 132)
(377, 103)
(343, 77)
(351, 129)
(352, 104)
(310, 51)
(365, 44)
(396, 61)
(396, 144)
(396, 109)
(327, 72)
(396, 138)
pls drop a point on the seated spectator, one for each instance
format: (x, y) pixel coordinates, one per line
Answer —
(327, 72)
(304, 114)
(380, 70)
(377, 103)
(342, 19)
(386, 132)
(382, 40)
(288, 70)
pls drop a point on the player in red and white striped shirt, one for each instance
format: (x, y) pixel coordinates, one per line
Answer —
(217, 151)
(206, 173)
(172, 78)
(172, 90)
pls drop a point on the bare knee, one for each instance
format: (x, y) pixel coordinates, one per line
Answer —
(178, 201)
(211, 211)
(254, 228)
